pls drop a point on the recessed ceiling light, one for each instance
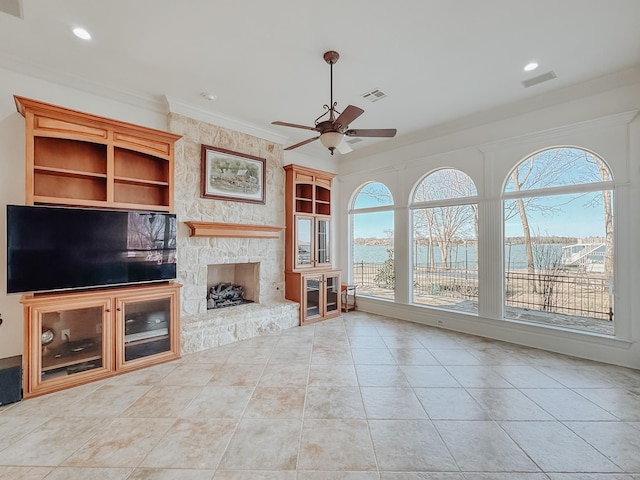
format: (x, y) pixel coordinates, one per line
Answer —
(209, 96)
(81, 33)
(530, 66)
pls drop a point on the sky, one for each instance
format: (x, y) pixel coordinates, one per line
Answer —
(573, 216)
(563, 215)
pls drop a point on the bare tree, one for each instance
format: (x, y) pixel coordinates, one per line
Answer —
(378, 192)
(607, 203)
(445, 225)
(541, 170)
(548, 258)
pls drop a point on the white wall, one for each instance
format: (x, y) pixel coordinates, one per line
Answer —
(605, 122)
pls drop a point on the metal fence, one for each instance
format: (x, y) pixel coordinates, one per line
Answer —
(582, 294)
(569, 293)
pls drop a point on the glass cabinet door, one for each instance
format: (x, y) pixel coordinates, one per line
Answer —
(71, 341)
(332, 293)
(147, 327)
(304, 243)
(312, 296)
(323, 242)
(321, 296)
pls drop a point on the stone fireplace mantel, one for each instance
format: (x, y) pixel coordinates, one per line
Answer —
(232, 230)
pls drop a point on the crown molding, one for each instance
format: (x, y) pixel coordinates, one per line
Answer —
(623, 118)
(180, 107)
(66, 80)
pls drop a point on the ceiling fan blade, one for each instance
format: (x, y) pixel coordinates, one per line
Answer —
(347, 116)
(302, 143)
(294, 125)
(371, 132)
(343, 147)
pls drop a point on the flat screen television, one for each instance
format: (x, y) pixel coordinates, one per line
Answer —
(53, 248)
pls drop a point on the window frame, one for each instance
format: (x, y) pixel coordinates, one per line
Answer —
(413, 206)
(558, 190)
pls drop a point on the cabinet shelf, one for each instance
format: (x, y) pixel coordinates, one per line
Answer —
(304, 191)
(323, 194)
(140, 181)
(79, 159)
(66, 172)
(81, 190)
(53, 363)
(304, 206)
(143, 337)
(135, 195)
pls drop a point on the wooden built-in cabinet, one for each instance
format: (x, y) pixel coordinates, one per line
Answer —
(81, 160)
(74, 158)
(308, 218)
(318, 294)
(73, 338)
(310, 279)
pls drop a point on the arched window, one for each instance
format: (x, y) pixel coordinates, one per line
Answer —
(371, 217)
(444, 217)
(558, 240)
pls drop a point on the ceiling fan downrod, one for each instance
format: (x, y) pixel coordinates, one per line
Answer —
(331, 57)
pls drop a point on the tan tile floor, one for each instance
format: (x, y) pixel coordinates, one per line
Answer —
(360, 397)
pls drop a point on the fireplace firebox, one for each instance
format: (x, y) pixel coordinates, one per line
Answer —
(231, 284)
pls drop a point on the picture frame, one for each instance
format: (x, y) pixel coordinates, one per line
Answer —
(234, 176)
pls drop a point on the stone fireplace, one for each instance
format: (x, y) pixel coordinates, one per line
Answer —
(241, 255)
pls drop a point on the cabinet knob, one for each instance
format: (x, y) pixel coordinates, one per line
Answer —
(107, 310)
(119, 309)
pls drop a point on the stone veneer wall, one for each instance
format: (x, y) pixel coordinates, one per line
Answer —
(201, 328)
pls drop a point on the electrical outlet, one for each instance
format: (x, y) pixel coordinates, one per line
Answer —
(65, 335)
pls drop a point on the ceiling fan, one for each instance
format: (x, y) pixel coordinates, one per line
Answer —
(336, 127)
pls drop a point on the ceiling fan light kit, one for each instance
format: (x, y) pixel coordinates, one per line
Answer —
(331, 140)
(333, 130)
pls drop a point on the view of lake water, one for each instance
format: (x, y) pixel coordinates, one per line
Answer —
(515, 257)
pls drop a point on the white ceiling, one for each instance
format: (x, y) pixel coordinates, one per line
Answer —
(437, 60)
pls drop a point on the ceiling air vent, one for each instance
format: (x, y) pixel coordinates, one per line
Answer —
(12, 7)
(539, 79)
(374, 95)
(351, 141)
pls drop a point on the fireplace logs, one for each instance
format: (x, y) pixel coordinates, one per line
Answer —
(225, 295)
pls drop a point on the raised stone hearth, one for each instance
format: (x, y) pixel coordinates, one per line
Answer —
(270, 312)
(228, 325)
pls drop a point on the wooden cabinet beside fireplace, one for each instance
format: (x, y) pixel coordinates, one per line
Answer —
(74, 338)
(310, 278)
(318, 294)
